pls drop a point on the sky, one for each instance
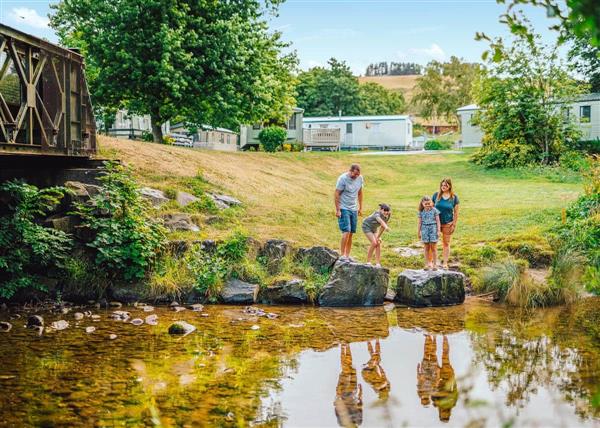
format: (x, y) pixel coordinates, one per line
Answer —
(357, 31)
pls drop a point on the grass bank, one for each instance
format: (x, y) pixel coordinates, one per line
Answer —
(289, 195)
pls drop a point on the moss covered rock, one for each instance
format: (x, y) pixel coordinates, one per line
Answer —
(430, 288)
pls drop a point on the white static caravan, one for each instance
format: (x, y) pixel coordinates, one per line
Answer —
(471, 135)
(585, 112)
(393, 132)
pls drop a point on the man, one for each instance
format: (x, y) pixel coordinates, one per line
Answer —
(348, 206)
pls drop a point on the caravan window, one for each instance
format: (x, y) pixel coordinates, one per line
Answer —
(348, 128)
(292, 122)
(585, 114)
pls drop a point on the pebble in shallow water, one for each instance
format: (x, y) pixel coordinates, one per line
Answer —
(60, 325)
(120, 315)
(152, 319)
(90, 329)
(5, 326)
(148, 308)
(78, 316)
(178, 308)
(112, 336)
(137, 321)
(35, 321)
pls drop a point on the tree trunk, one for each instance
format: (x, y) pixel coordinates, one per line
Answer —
(157, 131)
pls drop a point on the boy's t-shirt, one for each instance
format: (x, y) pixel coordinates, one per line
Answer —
(371, 222)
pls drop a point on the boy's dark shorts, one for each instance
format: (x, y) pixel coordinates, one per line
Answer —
(348, 221)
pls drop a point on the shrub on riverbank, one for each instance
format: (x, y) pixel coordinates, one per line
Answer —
(581, 231)
(127, 239)
(438, 145)
(28, 251)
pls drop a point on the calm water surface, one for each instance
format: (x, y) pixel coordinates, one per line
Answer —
(471, 365)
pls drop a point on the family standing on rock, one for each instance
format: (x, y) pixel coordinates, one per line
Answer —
(437, 216)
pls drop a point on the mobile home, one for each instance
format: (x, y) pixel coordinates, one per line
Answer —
(249, 133)
(585, 112)
(392, 132)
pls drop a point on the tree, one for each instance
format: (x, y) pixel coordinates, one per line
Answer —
(521, 100)
(586, 60)
(328, 91)
(444, 87)
(375, 100)
(582, 17)
(206, 61)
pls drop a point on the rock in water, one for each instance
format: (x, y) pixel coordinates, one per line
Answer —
(5, 326)
(137, 321)
(355, 284)
(152, 319)
(181, 327)
(286, 292)
(90, 329)
(35, 321)
(60, 325)
(321, 259)
(78, 316)
(196, 307)
(430, 288)
(238, 292)
(120, 315)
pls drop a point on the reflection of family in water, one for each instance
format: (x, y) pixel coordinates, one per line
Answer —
(348, 399)
(435, 384)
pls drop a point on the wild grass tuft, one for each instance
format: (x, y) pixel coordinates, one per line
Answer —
(171, 277)
(567, 275)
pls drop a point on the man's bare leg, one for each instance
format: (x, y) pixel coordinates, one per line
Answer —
(344, 243)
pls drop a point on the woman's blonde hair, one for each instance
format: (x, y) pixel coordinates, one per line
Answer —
(423, 200)
(448, 181)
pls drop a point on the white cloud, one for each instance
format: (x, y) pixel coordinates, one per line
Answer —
(434, 52)
(29, 17)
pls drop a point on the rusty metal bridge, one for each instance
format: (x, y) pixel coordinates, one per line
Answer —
(45, 108)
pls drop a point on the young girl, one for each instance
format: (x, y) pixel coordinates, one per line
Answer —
(429, 230)
(370, 227)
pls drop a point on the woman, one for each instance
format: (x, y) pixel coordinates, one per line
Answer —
(446, 201)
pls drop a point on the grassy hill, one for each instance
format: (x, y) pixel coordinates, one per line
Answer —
(404, 84)
(290, 195)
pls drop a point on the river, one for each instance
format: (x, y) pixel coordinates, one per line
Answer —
(476, 365)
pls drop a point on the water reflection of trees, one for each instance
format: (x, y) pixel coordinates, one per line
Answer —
(523, 351)
(437, 384)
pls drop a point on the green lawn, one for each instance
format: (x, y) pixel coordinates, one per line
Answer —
(290, 195)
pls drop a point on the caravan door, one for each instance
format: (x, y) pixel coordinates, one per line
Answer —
(349, 137)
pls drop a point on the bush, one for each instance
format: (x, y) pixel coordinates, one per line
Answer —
(438, 145)
(147, 136)
(28, 250)
(566, 276)
(127, 239)
(509, 153)
(574, 161)
(210, 269)
(272, 138)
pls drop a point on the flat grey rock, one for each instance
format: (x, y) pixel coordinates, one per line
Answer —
(430, 288)
(238, 292)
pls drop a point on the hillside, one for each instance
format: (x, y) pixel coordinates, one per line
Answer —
(404, 84)
(289, 195)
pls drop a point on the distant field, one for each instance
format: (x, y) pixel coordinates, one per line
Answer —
(289, 195)
(404, 84)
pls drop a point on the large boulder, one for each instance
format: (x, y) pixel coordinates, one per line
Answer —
(284, 292)
(238, 292)
(430, 288)
(180, 221)
(155, 196)
(273, 253)
(321, 259)
(355, 284)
